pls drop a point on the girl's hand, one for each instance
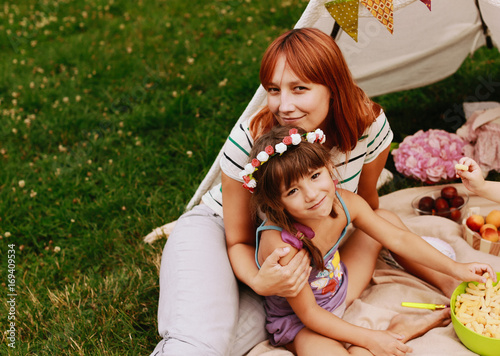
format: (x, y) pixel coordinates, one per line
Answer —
(473, 177)
(284, 281)
(474, 272)
(387, 343)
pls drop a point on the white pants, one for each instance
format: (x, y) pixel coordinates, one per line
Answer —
(202, 308)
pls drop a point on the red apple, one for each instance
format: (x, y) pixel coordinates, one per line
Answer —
(449, 192)
(474, 222)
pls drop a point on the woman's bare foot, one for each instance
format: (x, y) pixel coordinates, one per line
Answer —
(412, 325)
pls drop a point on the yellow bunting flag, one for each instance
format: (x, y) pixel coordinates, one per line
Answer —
(382, 10)
(427, 3)
(345, 13)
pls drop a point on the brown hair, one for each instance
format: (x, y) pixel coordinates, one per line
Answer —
(315, 58)
(292, 165)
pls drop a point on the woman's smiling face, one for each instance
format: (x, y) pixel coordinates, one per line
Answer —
(295, 102)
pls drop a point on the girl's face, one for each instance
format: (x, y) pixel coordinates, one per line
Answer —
(311, 197)
(295, 102)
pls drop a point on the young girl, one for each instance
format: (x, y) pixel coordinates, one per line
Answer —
(291, 178)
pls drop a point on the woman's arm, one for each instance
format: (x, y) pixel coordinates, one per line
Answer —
(367, 186)
(272, 278)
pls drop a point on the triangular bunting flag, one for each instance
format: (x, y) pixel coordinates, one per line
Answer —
(345, 13)
(382, 10)
(427, 3)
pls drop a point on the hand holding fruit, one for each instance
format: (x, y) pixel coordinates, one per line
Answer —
(470, 173)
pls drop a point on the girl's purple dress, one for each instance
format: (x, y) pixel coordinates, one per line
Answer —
(329, 288)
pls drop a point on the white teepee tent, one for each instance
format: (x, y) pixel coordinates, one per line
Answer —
(425, 47)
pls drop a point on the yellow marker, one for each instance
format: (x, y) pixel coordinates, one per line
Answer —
(424, 305)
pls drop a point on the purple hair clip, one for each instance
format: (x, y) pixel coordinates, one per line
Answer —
(296, 240)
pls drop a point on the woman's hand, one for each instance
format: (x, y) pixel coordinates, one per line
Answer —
(284, 281)
(387, 343)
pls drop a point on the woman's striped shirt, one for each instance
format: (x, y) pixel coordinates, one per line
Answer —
(239, 143)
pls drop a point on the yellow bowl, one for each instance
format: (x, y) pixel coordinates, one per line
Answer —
(482, 345)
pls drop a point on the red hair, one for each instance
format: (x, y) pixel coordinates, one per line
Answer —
(315, 58)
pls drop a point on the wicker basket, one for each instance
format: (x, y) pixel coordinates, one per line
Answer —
(478, 243)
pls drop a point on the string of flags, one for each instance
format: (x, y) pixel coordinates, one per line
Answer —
(345, 13)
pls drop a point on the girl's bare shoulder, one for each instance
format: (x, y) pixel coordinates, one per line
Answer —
(353, 201)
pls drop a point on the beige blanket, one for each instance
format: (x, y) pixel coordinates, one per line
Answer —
(389, 286)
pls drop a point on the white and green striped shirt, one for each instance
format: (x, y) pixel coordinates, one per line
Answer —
(239, 143)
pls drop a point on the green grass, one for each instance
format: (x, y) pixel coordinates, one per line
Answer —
(112, 112)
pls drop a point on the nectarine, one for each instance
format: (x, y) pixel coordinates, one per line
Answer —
(493, 218)
(474, 222)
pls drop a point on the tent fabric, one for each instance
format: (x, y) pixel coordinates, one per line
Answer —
(426, 46)
(490, 11)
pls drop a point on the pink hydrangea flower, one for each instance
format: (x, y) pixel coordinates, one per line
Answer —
(429, 155)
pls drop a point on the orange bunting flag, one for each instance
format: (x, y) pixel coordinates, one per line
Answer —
(383, 11)
(345, 13)
(427, 3)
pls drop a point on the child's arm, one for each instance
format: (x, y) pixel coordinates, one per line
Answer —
(473, 180)
(409, 245)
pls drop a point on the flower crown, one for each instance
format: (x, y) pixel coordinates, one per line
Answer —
(294, 139)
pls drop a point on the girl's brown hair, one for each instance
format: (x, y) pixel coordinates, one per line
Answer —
(282, 171)
(315, 58)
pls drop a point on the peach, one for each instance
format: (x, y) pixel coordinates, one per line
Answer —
(474, 222)
(487, 226)
(493, 218)
(489, 233)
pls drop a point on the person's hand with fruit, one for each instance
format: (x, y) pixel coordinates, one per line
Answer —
(472, 178)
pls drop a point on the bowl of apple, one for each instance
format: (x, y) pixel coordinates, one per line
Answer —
(446, 202)
(482, 232)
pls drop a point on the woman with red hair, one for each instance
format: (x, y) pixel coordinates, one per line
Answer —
(204, 309)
